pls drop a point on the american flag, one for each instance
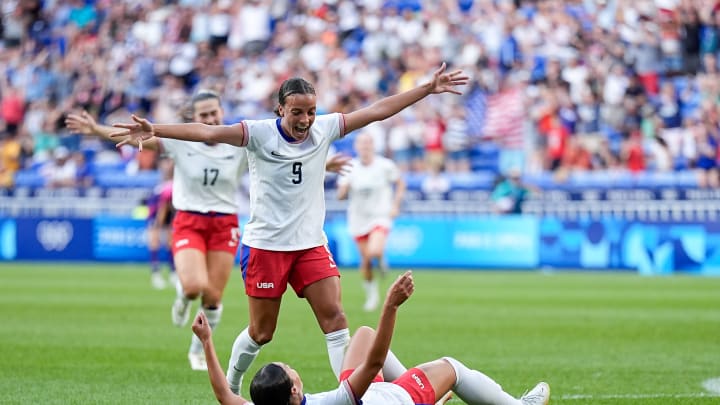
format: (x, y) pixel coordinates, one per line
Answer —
(504, 119)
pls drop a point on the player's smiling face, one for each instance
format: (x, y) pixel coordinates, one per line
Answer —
(208, 111)
(298, 115)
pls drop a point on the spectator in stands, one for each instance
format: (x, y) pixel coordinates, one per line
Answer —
(435, 184)
(10, 150)
(456, 141)
(661, 159)
(632, 152)
(707, 165)
(61, 171)
(575, 158)
(509, 193)
(405, 141)
(83, 173)
(113, 59)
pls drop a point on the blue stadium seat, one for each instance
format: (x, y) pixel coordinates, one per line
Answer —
(414, 180)
(482, 180)
(654, 180)
(686, 179)
(543, 180)
(100, 168)
(29, 178)
(146, 179)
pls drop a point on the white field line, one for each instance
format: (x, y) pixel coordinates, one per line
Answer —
(712, 385)
(579, 397)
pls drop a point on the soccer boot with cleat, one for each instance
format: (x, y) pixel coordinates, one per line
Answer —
(197, 361)
(157, 281)
(539, 395)
(180, 312)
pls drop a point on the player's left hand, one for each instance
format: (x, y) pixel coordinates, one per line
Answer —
(201, 327)
(141, 130)
(446, 82)
(339, 163)
(400, 290)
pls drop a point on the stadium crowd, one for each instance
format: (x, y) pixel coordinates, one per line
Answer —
(559, 86)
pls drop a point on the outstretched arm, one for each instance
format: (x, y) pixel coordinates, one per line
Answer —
(142, 130)
(201, 328)
(441, 83)
(85, 124)
(362, 377)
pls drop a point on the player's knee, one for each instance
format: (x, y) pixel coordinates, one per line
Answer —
(364, 332)
(261, 337)
(333, 320)
(194, 288)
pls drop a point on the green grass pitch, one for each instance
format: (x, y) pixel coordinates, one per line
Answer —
(98, 334)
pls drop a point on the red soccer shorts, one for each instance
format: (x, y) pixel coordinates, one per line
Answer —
(378, 228)
(267, 272)
(416, 383)
(204, 232)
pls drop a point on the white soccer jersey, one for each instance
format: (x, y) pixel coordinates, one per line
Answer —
(287, 192)
(379, 393)
(205, 177)
(370, 194)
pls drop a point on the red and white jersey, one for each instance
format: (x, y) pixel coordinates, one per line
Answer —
(370, 194)
(287, 184)
(205, 177)
(379, 393)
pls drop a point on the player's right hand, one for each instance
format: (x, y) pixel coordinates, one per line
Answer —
(82, 123)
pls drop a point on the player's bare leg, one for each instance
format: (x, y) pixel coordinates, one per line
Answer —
(370, 285)
(324, 299)
(219, 267)
(263, 314)
(192, 274)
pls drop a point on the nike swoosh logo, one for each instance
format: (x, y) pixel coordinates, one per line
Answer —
(191, 154)
(275, 154)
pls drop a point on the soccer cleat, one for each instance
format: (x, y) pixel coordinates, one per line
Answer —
(157, 281)
(371, 303)
(539, 395)
(180, 312)
(197, 361)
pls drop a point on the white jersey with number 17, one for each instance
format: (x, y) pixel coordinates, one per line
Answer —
(205, 177)
(287, 184)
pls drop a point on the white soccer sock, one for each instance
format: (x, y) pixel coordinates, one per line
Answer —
(476, 388)
(393, 368)
(337, 342)
(244, 351)
(213, 316)
(371, 289)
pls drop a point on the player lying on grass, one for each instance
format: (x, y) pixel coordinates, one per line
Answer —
(278, 384)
